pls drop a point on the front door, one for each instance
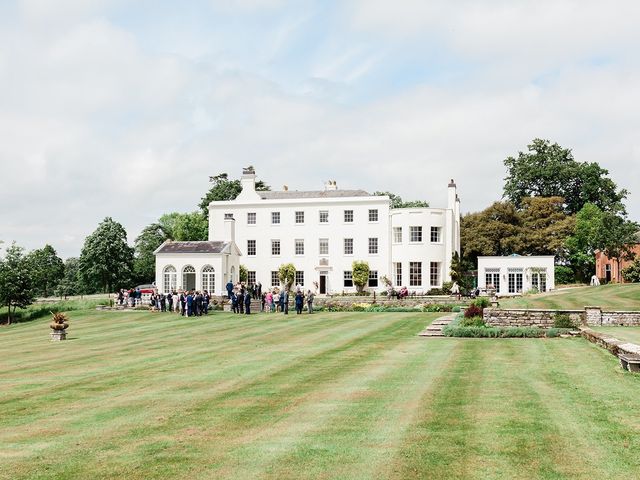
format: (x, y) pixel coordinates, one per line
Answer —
(323, 284)
(607, 272)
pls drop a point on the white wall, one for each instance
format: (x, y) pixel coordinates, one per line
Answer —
(311, 231)
(222, 264)
(523, 263)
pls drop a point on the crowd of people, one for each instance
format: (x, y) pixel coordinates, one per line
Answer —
(195, 303)
(271, 301)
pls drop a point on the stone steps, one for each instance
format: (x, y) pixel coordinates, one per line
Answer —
(435, 328)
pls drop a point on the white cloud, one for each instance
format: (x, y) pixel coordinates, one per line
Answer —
(96, 125)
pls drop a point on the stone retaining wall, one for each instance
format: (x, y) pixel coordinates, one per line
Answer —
(496, 317)
(593, 316)
(609, 343)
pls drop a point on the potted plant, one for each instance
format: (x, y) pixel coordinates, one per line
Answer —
(59, 325)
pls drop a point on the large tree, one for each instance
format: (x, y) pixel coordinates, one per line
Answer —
(47, 268)
(397, 202)
(493, 231)
(549, 170)
(106, 259)
(617, 238)
(71, 283)
(360, 274)
(224, 189)
(183, 227)
(287, 275)
(144, 261)
(544, 227)
(16, 286)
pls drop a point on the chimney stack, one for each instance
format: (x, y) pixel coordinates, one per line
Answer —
(331, 185)
(229, 229)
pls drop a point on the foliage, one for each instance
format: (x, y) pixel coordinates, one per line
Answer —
(583, 243)
(632, 272)
(544, 227)
(106, 259)
(493, 332)
(224, 189)
(397, 202)
(360, 271)
(556, 332)
(473, 311)
(617, 237)
(71, 283)
(446, 287)
(47, 270)
(456, 270)
(481, 302)
(549, 170)
(144, 261)
(490, 232)
(287, 275)
(472, 322)
(564, 275)
(16, 284)
(243, 274)
(376, 308)
(59, 321)
(562, 320)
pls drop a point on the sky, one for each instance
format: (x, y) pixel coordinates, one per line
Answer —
(124, 109)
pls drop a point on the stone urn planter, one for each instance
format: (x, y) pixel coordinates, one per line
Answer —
(59, 325)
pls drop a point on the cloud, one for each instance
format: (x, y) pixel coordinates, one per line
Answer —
(97, 123)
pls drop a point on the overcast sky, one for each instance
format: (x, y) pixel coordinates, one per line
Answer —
(124, 109)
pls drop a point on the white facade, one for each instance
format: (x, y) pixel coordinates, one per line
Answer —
(323, 232)
(198, 265)
(515, 274)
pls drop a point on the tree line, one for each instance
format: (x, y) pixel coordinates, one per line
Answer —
(553, 205)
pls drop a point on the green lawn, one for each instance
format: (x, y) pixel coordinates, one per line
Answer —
(629, 334)
(612, 296)
(343, 395)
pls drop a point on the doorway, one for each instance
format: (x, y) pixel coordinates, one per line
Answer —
(323, 284)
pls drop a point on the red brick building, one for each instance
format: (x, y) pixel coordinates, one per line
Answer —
(609, 270)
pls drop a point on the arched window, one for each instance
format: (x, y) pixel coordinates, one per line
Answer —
(189, 278)
(169, 278)
(208, 278)
(233, 274)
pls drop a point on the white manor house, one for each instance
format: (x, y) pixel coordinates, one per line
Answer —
(322, 233)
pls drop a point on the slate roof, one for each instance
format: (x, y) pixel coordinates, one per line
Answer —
(312, 194)
(192, 247)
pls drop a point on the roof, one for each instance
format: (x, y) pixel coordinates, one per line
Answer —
(192, 247)
(268, 195)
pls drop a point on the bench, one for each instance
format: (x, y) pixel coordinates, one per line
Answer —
(630, 361)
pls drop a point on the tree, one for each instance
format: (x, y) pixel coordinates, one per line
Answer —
(16, 286)
(243, 274)
(70, 283)
(582, 245)
(47, 269)
(544, 227)
(632, 272)
(287, 275)
(224, 189)
(360, 273)
(492, 231)
(616, 239)
(144, 261)
(549, 170)
(106, 259)
(396, 201)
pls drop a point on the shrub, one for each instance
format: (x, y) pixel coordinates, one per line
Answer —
(446, 287)
(473, 311)
(473, 322)
(452, 330)
(556, 332)
(564, 275)
(482, 302)
(632, 272)
(456, 308)
(562, 320)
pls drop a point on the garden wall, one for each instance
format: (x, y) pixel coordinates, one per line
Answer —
(593, 316)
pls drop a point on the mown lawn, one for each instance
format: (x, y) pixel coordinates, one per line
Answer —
(629, 334)
(612, 296)
(343, 395)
